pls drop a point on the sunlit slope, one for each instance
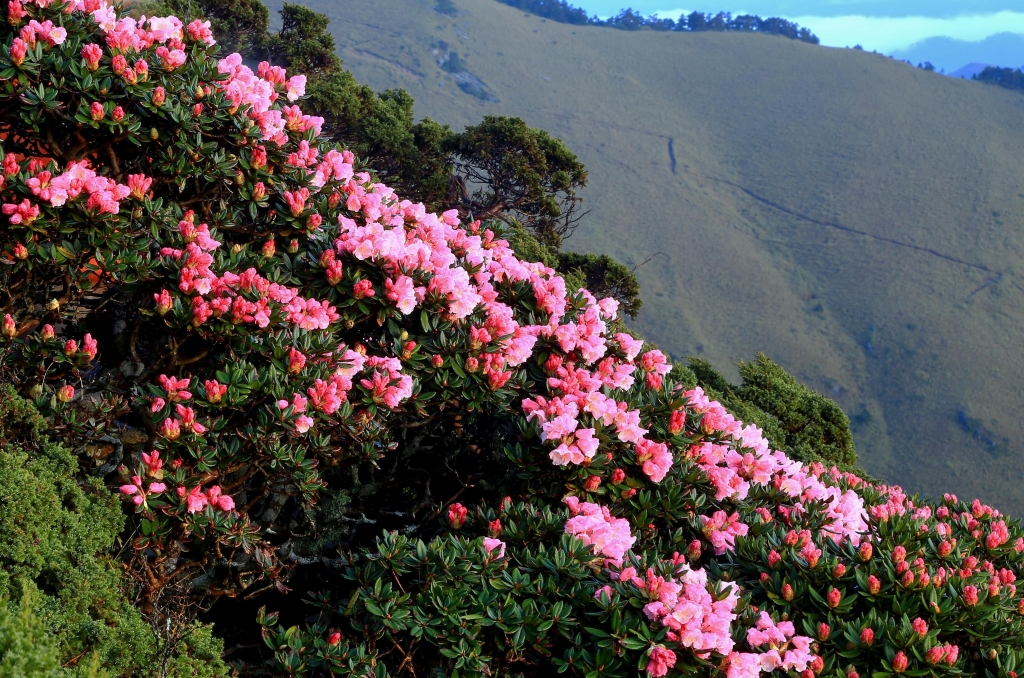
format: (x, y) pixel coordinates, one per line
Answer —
(858, 220)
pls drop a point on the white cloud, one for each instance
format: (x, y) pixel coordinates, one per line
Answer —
(887, 34)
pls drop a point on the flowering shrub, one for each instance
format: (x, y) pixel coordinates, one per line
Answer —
(291, 374)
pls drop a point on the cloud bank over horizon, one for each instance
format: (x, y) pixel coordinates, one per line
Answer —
(891, 34)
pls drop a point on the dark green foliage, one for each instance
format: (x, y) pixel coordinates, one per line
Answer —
(54, 534)
(803, 424)
(524, 173)
(303, 44)
(450, 604)
(1004, 77)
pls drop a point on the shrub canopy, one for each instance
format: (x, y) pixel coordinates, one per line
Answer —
(289, 373)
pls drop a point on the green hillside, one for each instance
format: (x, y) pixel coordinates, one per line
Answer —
(856, 219)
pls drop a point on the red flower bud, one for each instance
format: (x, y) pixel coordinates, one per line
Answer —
(824, 631)
(865, 551)
(457, 515)
(874, 585)
(787, 593)
(867, 636)
(833, 598)
(899, 662)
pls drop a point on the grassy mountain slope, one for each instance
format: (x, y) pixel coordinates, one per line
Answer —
(856, 219)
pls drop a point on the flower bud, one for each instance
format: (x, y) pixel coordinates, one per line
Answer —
(945, 548)
(773, 558)
(865, 551)
(269, 249)
(970, 596)
(8, 328)
(334, 638)
(839, 570)
(676, 422)
(47, 332)
(457, 516)
(833, 598)
(787, 593)
(96, 111)
(824, 631)
(20, 252)
(293, 246)
(867, 636)
(53, 306)
(592, 483)
(874, 585)
(899, 662)
(934, 655)
(65, 393)
(472, 364)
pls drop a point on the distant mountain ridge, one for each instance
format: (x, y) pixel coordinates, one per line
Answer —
(855, 218)
(949, 54)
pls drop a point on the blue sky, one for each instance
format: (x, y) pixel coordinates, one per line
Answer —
(888, 26)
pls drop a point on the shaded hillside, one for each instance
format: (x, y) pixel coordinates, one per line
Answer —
(857, 219)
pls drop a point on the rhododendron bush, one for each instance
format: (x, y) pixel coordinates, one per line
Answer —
(292, 376)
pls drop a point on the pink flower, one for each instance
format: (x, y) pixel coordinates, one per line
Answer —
(8, 329)
(164, 302)
(491, 544)
(214, 390)
(156, 488)
(595, 526)
(195, 500)
(296, 87)
(296, 361)
(303, 423)
(92, 53)
(170, 429)
(19, 48)
(970, 596)
(96, 110)
(65, 393)
(661, 660)
(138, 185)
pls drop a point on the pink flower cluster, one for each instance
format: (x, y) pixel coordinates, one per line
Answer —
(104, 194)
(685, 603)
(225, 295)
(258, 92)
(595, 526)
(784, 650)
(196, 500)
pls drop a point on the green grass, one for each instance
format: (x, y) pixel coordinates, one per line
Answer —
(856, 219)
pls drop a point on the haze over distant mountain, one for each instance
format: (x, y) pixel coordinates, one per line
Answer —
(857, 219)
(1003, 49)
